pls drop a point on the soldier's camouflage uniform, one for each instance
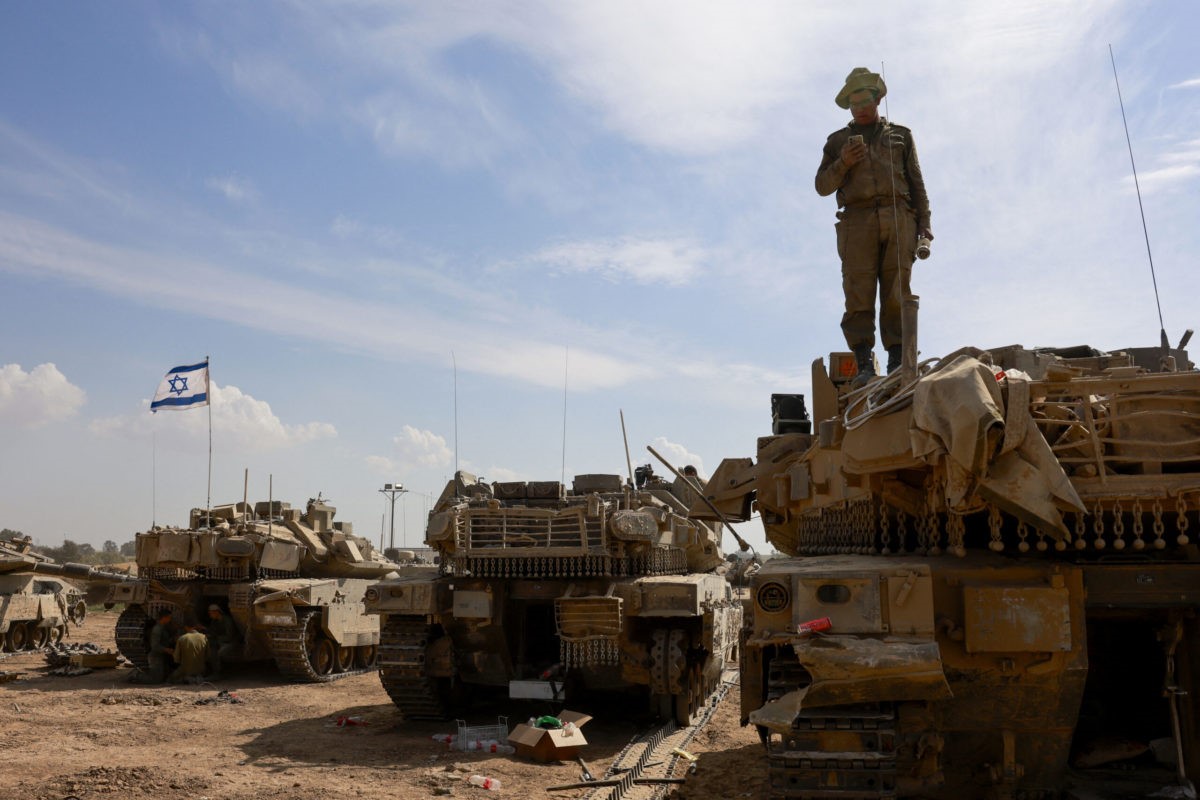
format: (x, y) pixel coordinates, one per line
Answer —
(222, 642)
(161, 637)
(876, 231)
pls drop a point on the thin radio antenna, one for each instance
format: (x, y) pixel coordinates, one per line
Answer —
(1162, 328)
(562, 478)
(454, 366)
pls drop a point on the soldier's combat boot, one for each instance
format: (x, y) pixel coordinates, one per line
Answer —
(895, 357)
(866, 366)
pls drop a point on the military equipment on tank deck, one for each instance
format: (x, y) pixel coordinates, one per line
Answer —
(994, 584)
(34, 610)
(545, 591)
(291, 581)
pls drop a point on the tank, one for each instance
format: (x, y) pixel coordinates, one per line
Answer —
(992, 583)
(551, 592)
(35, 610)
(292, 581)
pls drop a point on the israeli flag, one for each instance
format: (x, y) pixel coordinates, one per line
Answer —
(184, 387)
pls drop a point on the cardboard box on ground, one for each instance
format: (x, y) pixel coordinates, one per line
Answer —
(551, 744)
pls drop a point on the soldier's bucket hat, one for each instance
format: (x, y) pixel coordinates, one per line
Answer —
(861, 78)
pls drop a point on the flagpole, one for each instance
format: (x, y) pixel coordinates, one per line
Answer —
(208, 390)
(153, 473)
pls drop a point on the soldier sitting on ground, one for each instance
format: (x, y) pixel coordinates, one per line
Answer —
(191, 653)
(222, 640)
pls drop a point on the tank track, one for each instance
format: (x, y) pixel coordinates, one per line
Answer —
(402, 644)
(131, 636)
(291, 655)
(797, 769)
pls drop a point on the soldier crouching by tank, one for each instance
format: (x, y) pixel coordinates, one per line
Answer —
(191, 653)
(872, 165)
(222, 640)
(160, 651)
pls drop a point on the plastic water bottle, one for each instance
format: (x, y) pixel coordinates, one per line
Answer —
(445, 738)
(491, 784)
(569, 729)
(478, 744)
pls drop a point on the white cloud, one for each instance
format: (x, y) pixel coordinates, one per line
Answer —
(234, 188)
(678, 455)
(414, 449)
(1190, 83)
(1166, 177)
(391, 331)
(673, 262)
(424, 448)
(38, 397)
(240, 423)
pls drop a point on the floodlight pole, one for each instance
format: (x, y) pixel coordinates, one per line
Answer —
(392, 491)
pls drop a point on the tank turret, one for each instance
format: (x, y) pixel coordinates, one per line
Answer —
(994, 573)
(548, 589)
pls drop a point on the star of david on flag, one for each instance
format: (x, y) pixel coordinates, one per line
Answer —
(182, 388)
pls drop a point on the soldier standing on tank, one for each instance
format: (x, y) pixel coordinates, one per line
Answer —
(222, 640)
(161, 648)
(191, 653)
(872, 165)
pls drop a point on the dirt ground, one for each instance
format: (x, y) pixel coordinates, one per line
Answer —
(98, 736)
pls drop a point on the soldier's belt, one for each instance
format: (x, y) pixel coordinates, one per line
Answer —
(879, 202)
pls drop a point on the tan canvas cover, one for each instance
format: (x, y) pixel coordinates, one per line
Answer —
(175, 547)
(280, 555)
(990, 447)
(147, 549)
(208, 554)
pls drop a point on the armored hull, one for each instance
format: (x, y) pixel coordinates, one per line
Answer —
(292, 582)
(993, 589)
(35, 610)
(545, 594)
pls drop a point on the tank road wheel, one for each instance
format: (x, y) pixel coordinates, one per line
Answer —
(324, 657)
(690, 702)
(131, 636)
(364, 656)
(18, 637)
(404, 643)
(317, 646)
(303, 652)
(57, 634)
(38, 637)
(344, 659)
(78, 612)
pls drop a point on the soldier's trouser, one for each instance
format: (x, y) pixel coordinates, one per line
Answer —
(875, 251)
(158, 669)
(218, 654)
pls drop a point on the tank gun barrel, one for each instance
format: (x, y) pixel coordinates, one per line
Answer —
(741, 542)
(84, 572)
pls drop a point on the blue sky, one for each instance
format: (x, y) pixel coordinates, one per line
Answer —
(345, 204)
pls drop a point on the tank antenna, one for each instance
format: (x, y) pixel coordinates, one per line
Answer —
(562, 477)
(454, 367)
(625, 437)
(1162, 328)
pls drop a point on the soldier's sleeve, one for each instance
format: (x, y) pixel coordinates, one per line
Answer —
(832, 172)
(916, 186)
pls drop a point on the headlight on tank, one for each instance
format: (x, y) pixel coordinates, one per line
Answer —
(773, 597)
(372, 595)
(439, 528)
